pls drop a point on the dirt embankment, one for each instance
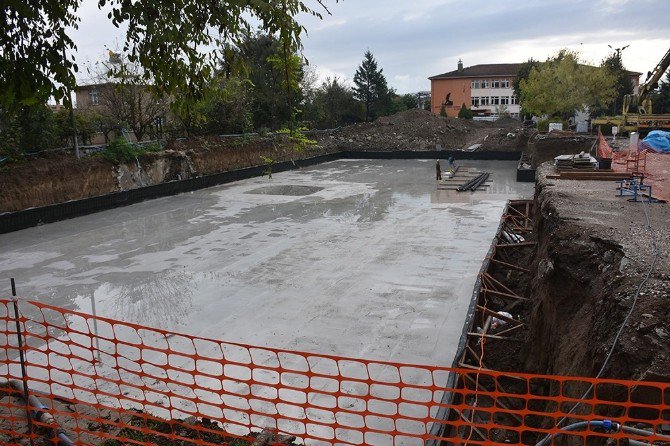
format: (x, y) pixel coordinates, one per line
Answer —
(421, 130)
(594, 251)
(58, 177)
(545, 147)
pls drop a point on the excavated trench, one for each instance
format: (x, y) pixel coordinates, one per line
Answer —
(582, 283)
(589, 262)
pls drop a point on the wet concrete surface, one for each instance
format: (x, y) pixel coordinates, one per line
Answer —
(361, 258)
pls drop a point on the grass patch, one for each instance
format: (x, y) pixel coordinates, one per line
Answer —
(121, 150)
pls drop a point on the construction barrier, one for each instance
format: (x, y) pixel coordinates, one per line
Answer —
(116, 383)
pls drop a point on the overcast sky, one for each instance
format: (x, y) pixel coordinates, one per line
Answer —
(413, 40)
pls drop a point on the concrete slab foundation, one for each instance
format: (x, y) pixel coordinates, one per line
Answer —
(362, 258)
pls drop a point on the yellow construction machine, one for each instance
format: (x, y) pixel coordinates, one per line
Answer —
(643, 118)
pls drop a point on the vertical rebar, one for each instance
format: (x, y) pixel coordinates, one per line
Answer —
(95, 329)
(24, 373)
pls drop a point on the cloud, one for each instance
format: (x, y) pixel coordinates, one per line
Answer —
(414, 40)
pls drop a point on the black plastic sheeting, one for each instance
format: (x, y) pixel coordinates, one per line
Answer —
(14, 221)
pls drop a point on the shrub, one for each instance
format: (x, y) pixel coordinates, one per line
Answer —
(123, 150)
(465, 113)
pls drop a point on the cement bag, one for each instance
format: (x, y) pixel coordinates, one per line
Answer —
(658, 141)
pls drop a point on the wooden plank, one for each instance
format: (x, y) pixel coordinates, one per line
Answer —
(500, 285)
(489, 336)
(509, 265)
(501, 294)
(515, 245)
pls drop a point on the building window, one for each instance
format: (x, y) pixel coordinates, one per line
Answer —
(505, 83)
(504, 100)
(95, 97)
(496, 83)
(495, 100)
(474, 84)
(474, 102)
(485, 83)
(514, 100)
(484, 100)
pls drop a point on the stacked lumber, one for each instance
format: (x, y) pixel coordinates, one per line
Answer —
(593, 175)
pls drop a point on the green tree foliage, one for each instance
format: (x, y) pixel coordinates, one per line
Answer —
(332, 104)
(562, 85)
(33, 38)
(465, 113)
(443, 110)
(395, 103)
(169, 39)
(225, 108)
(27, 129)
(274, 77)
(661, 97)
(522, 74)
(623, 84)
(87, 123)
(409, 101)
(370, 86)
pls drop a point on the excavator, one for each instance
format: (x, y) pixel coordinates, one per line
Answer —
(643, 118)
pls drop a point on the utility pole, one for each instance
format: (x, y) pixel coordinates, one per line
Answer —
(72, 121)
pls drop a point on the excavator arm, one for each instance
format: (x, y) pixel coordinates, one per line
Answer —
(642, 99)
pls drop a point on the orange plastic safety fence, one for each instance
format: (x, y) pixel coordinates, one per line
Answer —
(115, 383)
(604, 149)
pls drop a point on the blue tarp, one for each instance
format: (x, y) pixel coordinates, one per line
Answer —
(658, 140)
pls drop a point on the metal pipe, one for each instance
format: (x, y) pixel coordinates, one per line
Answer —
(608, 426)
(465, 186)
(40, 413)
(482, 178)
(24, 374)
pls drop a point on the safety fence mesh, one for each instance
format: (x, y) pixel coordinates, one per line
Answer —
(116, 383)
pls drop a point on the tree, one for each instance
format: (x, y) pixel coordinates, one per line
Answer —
(623, 84)
(522, 74)
(409, 100)
(170, 40)
(127, 97)
(465, 113)
(87, 123)
(333, 104)
(271, 68)
(661, 97)
(226, 108)
(562, 85)
(30, 128)
(370, 85)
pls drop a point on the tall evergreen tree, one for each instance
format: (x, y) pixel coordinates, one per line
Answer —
(370, 85)
(661, 98)
(623, 83)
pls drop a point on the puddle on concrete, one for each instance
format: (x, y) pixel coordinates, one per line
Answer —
(286, 189)
(370, 262)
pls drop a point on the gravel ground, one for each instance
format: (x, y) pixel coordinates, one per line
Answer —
(593, 209)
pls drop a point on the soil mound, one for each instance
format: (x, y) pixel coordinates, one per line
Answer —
(421, 130)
